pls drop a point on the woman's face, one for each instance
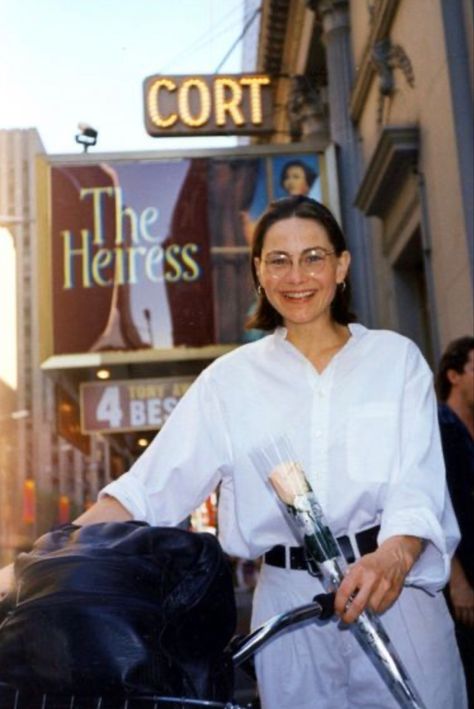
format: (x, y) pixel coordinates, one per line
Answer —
(297, 274)
(294, 181)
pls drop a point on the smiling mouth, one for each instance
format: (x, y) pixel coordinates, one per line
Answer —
(298, 295)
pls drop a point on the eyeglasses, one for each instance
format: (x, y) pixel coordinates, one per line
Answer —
(311, 262)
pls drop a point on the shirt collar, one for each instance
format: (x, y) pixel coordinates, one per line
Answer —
(356, 329)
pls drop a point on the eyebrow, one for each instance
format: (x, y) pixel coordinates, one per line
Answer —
(305, 251)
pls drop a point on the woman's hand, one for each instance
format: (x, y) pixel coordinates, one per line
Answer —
(376, 579)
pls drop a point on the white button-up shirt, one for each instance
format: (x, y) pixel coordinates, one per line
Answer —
(365, 431)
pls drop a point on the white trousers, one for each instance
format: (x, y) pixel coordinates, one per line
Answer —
(320, 665)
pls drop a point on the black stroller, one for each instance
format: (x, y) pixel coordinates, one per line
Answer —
(127, 616)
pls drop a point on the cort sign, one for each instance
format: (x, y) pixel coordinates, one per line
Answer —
(208, 105)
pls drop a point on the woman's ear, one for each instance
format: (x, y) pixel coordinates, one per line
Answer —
(256, 263)
(343, 263)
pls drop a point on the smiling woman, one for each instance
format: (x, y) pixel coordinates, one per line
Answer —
(299, 271)
(381, 483)
(300, 267)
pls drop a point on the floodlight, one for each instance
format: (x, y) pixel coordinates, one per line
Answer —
(87, 136)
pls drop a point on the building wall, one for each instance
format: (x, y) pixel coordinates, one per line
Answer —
(425, 103)
(418, 255)
(468, 20)
(17, 203)
(9, 493)
(35, 450)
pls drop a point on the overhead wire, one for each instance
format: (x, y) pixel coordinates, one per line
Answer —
(245, 29)
(225, 24)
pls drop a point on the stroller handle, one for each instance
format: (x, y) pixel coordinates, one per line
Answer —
(321, 608)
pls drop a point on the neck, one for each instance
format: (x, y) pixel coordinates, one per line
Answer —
(462, 409)
(316, 338)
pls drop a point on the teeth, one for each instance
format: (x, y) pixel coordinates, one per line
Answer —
(298, 296)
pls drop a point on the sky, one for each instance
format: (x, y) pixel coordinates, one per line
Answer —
(68, 61)
(63, 62)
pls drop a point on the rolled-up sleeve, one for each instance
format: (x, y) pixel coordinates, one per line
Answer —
(417, 502)
(182, 465)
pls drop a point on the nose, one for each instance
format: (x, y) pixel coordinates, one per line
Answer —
(295, 273)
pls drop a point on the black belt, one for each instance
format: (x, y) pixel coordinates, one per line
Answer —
(366, 542)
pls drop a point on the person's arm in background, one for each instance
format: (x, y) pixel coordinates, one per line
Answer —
(458, 472)
(461, 594)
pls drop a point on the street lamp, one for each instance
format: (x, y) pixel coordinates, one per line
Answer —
(87, 136)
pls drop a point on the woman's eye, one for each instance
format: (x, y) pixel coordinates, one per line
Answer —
(278, 261)
(314, 257)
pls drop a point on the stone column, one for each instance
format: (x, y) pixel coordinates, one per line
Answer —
(457, 26)
(334, 15)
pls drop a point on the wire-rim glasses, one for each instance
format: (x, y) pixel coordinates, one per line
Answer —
(311, 262)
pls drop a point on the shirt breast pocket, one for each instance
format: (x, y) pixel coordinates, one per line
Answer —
(372, 451)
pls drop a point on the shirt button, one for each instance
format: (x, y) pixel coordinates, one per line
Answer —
(321, 394)
(318, 434)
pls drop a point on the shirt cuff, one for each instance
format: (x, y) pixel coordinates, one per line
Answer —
(432, 568)
(131, 493)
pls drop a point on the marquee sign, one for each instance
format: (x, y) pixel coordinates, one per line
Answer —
(143, 258)
(237, 104)
(130, 405)
(130, 263)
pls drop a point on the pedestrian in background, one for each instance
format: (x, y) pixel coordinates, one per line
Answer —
(455, 386)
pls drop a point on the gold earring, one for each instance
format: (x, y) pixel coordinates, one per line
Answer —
(259, 289)
(343, 286)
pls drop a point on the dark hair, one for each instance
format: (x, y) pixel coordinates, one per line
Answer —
(455, 357)
(266, 317)
(309, 173)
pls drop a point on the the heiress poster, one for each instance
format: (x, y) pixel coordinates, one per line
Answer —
(155, 253)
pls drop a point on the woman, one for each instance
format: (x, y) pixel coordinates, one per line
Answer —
(359, 409)
(297, 177)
